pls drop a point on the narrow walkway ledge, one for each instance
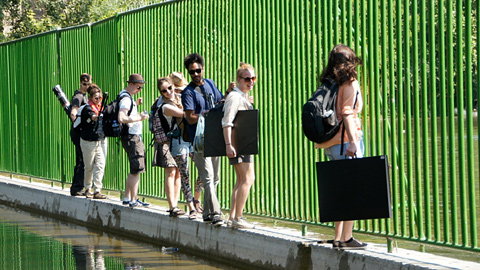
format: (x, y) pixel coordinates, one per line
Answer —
(261, 248)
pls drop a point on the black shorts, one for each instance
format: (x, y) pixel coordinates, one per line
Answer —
(135, 149)
(241, 159)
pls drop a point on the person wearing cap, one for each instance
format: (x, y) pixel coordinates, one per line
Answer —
(79, 99)
(132, 140)
(197, 98)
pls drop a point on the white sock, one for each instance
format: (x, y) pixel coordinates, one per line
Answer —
(126, 199)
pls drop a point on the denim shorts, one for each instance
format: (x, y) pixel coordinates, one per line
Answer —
(333, 152)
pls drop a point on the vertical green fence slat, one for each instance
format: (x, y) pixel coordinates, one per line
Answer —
(416, 126)
(417, 82)
(424, 86)
(460, 88)
(451, 126)
(470, 184)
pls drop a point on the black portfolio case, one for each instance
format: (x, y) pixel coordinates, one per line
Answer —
(244, 134)
(353, 189)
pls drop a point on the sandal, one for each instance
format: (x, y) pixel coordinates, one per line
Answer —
(98, 195)
(197, 205)
(88, 194)
(174, 212)
(192, 215)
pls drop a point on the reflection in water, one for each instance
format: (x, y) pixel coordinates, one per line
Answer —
(30, 241)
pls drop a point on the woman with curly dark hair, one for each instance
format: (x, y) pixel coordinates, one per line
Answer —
(342, 67)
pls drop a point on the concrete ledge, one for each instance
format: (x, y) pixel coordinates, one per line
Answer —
(263, 247)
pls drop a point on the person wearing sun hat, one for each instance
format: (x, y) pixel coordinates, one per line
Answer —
(178, 80)
(132, 140)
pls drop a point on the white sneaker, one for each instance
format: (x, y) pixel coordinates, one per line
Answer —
(242, 224)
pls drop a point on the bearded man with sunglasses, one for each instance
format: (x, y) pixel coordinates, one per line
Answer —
(132, 139)
(79, 99)
(198, 98)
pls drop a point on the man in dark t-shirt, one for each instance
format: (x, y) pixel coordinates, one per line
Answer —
(197, 98)
(79, 98)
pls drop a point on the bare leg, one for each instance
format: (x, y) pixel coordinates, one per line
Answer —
(347, 230)
(245, 178)
(177, 186)
(131, 187)
(170, 173)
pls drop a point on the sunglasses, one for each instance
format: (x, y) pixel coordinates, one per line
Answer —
(193, 71)
(85, 84)
(165, 90)
(139, 87)
(250, 79)
(98, 98)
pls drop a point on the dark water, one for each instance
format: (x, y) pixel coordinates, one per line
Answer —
(30, 241)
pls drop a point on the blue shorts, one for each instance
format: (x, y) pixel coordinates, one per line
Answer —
(333, 152)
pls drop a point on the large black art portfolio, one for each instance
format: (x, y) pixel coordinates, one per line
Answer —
(353, 189)
(244, 134)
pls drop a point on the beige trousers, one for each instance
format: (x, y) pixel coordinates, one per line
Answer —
(94, 154)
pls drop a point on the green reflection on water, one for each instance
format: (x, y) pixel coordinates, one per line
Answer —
(29, 241)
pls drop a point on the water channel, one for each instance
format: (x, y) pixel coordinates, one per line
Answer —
(30, 241)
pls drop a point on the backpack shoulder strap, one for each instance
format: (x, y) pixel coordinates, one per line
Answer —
(121, 96)
(163, 119)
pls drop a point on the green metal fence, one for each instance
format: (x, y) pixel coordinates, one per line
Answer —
(419, 81)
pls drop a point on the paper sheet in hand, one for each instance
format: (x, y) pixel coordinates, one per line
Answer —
(244, 134)
(353, 189)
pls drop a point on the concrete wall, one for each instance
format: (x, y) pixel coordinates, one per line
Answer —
(262, 247)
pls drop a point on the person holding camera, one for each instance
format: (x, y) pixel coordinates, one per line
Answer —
(173, 156)
(79, 99)
(93, 143)
(132, 140)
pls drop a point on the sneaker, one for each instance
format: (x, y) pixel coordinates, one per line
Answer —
(78, 193)
(353, 244)
(229, 223)
(126, 202)
(144, 204)
(207, 220)
(192, 215)
(217, 221)
(242, 224)
(133, 204)
(175, 212)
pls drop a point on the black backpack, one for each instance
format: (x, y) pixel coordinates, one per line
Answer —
(319, 116)
(111, 125)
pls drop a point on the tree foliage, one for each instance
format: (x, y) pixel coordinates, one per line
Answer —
(21, 18)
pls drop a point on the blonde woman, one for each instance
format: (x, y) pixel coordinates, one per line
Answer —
(237, 100)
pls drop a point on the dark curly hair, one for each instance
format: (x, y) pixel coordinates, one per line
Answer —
(193, 58)
(342, 65)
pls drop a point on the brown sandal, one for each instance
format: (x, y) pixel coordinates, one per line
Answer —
(197, 206)
(99, 195)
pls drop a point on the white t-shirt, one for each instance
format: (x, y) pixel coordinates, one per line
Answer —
(134, 128)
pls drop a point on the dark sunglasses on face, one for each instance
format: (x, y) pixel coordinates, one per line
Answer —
(165, 90)
(85, 84)
(139, 87)
(98, 98)
(193, 71)
(250, 79)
